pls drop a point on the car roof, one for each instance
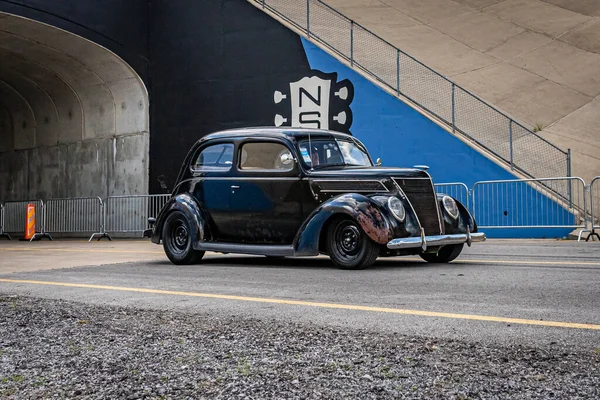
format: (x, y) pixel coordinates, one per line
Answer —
(273, 132)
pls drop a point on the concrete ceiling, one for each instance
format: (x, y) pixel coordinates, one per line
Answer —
(57, 87)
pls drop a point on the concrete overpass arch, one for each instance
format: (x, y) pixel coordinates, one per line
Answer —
(74, 116)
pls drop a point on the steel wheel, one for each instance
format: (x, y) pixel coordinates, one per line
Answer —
(177, 241)
(349, 247)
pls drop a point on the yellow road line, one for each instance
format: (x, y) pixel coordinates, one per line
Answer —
(81, 250)
(317, 304)
(408, 259)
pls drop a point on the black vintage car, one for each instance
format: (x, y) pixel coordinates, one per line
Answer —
(287, 192)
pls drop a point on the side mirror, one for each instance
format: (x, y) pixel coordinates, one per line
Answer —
(378, 162)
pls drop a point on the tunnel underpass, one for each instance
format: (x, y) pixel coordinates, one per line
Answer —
(73, 116)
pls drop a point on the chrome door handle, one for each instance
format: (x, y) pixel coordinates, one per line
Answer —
(235, 187)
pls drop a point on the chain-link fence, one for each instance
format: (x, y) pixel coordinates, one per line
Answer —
(463, 112)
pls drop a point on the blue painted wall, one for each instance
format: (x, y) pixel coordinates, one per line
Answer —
(403, 137)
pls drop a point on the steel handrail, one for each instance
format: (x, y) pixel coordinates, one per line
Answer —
(306, 30)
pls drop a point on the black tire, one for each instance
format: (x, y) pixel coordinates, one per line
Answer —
(348, 246)
(444, 255)
(176, 240)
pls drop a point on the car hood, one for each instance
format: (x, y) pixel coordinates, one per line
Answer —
(367, 172)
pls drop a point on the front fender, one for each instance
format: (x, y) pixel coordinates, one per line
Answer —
(192, 210)
(367, 212)
(463, 224)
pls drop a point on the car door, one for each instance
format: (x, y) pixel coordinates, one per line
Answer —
(211, 169)
(266, 198)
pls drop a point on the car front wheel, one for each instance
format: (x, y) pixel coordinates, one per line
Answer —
(349, 247)
(444, 255)
(177, 241)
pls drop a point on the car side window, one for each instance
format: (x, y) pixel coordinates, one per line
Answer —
(266, 156)
(218, 157)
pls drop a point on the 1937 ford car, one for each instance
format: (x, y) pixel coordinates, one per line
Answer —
(303, 192)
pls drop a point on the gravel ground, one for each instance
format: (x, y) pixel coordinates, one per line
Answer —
(59, 349)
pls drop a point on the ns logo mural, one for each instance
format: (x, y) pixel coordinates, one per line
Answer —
(315, 101)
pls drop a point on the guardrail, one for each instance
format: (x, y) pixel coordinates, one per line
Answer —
(457, 108)
(530, 203)
(458, 190)
(15, 213)
(129, 214)
(75, 215)
(2, 233)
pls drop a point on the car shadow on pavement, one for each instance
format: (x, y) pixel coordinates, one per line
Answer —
(297, 263)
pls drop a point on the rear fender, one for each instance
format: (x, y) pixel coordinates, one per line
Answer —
(365, 211)
(193, 211)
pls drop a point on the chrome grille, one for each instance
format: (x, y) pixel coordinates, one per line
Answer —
(422, 196)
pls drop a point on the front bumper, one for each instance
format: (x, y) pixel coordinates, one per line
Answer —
(433, 241)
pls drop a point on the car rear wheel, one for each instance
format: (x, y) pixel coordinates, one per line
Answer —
(177, 242)
(444, 255)
(348, 246)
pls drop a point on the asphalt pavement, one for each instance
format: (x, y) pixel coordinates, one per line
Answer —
(537, 292)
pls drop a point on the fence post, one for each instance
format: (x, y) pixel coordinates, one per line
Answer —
(308, 18)
(398, 71)
(593, 234)
(510, 129)
(453, 109)
(42, 233)
(352, 42)
(102, 233)
(569, 187)
(2, 233)
(471, 196)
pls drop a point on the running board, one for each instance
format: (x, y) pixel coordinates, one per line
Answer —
(257, 249)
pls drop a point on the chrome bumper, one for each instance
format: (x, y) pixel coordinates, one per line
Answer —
(439, 240)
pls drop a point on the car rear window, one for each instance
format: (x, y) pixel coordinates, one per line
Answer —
(218, 157)
(266, 156)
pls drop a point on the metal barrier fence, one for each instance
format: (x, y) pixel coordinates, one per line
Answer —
(15, 213)
(458, 190)
(460, 110)
(518, 203)
(530, 203)
(2, 233)
(595, 205)
(75, 215)
(129, 214)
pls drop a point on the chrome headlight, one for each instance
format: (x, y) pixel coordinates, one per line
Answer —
(397, 209)
(450, 206)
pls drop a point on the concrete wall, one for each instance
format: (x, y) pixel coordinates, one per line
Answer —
(73, 116)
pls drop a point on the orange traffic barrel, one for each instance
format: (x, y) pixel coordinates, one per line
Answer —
(30, 221)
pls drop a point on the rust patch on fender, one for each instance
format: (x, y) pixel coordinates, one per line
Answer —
(373, 224)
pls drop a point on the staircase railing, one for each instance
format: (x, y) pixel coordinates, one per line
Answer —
(461, 111)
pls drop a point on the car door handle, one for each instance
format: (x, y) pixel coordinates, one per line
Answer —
(235, 187)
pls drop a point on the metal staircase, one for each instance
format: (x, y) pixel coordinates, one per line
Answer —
(455, 108)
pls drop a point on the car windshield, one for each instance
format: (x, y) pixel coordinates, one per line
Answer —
(323, 153)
